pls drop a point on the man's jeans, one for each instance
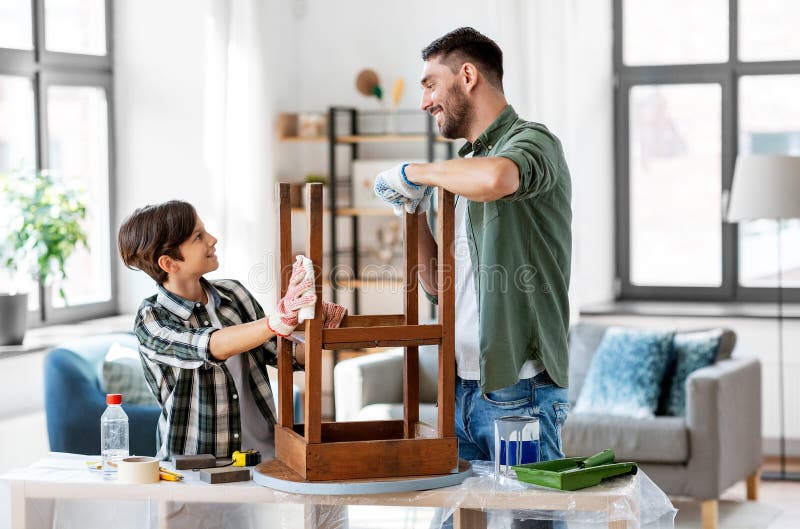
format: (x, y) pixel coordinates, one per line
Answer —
(535, 397)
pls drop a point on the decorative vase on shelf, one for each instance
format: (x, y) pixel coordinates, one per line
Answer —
(397, 95)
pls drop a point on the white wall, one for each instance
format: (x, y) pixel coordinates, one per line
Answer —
(197, 84)
(558, 66)
(169, 123)
(385, 36)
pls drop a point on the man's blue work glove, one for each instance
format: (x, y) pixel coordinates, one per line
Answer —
(393, 187)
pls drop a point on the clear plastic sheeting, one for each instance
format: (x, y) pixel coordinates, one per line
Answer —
(636, 500)
(60, 492)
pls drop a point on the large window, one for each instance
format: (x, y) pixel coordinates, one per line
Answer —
(55, 115)
(697, 84)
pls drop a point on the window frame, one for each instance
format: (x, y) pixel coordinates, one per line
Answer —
(44, 68)
(727, 75)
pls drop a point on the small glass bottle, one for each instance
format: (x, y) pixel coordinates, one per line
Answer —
(113, 435)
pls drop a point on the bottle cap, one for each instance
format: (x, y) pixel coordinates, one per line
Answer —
(113, 398)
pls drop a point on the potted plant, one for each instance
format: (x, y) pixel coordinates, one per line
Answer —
(314, 178)
(45, 226)
(297, 189)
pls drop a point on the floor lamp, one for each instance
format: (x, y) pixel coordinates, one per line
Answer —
(768, 187)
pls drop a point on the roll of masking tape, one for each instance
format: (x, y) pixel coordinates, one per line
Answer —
(138, 470)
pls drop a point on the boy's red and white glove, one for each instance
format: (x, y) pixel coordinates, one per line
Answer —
(299, 294)
(332, 315)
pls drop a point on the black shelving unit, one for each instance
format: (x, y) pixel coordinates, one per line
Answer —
(351, 137)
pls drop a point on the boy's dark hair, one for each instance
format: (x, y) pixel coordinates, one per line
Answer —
(468, 45)
(153, 231)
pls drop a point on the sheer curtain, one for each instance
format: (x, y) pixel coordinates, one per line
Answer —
(238, 143)
(559, 71)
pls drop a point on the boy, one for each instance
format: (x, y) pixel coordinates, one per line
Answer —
(205, 344)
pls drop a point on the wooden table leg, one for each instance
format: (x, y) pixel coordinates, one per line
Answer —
(617, 524)
(469, 519)
(163, 514)
(18, 506)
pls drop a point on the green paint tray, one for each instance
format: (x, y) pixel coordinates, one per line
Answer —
(574, 473)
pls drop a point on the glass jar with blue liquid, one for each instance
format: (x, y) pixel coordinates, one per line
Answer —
(516, 442)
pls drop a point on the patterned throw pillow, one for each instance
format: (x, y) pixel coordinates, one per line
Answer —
(122, 372)
(626, 373)
(691, 350)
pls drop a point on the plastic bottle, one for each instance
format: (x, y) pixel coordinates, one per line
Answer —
(113, 435)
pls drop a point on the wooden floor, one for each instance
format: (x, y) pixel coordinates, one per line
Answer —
(783, 494)
(773, 463)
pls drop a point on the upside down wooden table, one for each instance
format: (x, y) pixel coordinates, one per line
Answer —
(324, 451)
(64, 476)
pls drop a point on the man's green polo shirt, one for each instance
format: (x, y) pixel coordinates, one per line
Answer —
(520, 247)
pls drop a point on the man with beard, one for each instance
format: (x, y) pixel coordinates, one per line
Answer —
(512, 248)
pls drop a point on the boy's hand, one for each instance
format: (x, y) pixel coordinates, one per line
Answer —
(395, 188)
(299, 294)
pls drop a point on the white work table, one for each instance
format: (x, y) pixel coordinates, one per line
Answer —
(616, 503)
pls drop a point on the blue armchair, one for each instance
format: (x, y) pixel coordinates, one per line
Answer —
(74, 401)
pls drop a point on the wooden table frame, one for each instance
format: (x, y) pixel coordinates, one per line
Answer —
(468, 513)
(319, 451)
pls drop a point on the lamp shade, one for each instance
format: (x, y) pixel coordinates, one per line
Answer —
(765, 187)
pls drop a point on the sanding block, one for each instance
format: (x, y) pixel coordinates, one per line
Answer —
(194, 461)
(224, 475)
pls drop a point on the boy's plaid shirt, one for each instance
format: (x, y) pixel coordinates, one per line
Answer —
(199, 403)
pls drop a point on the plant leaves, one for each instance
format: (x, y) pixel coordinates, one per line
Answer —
(48, 224)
